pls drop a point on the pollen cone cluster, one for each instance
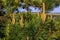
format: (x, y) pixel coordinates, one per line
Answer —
(43, 16)
(13, 18)
(21, 21)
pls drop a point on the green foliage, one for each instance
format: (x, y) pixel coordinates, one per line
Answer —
(32, 23)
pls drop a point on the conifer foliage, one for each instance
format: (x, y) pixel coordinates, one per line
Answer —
(33, 28)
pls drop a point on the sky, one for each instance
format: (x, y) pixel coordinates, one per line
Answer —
(57, 10)
(36, 9)
(31, 8)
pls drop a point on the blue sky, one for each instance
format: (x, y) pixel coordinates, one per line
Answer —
(31, 8)
(36, 9)
(57, 9)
